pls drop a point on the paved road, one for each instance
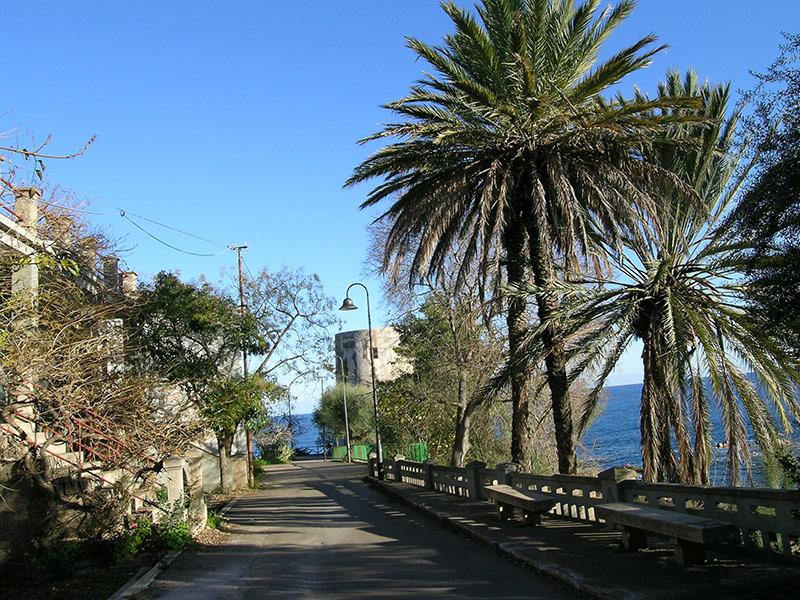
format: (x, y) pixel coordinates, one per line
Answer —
(319, 532)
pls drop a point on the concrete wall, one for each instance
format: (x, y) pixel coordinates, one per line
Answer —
(353, 348)
(210, 462)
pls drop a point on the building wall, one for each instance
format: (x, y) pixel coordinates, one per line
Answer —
(353, 348)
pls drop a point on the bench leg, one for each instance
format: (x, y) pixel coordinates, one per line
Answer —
(633, 539)
(505, 511)
(531, 518)
(688, 553)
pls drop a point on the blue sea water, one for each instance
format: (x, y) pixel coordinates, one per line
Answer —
(611, 441)
(613, 438)
(306, 434)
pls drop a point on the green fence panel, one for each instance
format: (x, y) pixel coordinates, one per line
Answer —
(361, 451)
(418, 452)
(339, 452)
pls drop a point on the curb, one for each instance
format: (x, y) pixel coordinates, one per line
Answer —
(139, 583)
(508, 549)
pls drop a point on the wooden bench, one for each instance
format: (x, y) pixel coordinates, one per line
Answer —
(531, 504)
(688, 534)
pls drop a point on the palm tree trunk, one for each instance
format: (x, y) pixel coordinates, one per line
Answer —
(517, 322)
(555, 358)
(650, 425)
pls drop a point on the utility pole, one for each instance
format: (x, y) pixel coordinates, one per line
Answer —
(251, 478)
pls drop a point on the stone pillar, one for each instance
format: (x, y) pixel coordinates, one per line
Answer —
(198, 511)
(88, 255)
(129, 280)
(173, 465)
(506, 470)
(26, 205)
(398, 471)
(474, 484)
(609, 483)
(428, 465)
(111, 273)
(26, 277)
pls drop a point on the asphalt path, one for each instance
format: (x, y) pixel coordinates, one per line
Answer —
(318, 531)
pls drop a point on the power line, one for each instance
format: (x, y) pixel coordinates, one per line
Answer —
(124, 214)
(160, 241)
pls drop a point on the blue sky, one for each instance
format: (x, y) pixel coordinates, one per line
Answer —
(238, 121)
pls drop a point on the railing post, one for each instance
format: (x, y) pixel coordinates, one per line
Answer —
(609, 483)
(174, 468)
(474, 486)
(398, 472)
(198, 511)
(428, 465)
(506, 470)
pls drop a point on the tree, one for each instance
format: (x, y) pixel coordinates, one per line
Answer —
(330, 412)
(230, 402)
(453, 354)
(451, 335)
(678, 293)
(510, 152)
(293, 316)
(768, 215)
(192, 337)
(66, 393)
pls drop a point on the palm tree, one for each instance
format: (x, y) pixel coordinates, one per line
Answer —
(679, 294)
(509, 152)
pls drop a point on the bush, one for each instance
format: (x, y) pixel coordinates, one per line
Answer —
(214, 520)
(133, 540)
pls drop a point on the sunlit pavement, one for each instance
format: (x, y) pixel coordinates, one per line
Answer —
(318, 531)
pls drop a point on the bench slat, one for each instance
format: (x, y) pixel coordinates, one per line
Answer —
(521, 499)
(701, 530)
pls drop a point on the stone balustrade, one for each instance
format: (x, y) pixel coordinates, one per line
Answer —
(769, 519)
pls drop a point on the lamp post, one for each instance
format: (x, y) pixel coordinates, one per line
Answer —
(344, 397)
(347, 304)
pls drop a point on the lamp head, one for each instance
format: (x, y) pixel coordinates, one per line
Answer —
(347, 304)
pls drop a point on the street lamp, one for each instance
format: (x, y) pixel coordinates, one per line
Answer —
(344, 397)
(347, 304)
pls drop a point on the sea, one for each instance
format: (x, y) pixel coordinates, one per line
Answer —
(611, 441)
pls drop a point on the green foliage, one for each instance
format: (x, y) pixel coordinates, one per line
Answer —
(789, 461)
(190, 333)
(360, 412)
(677, 293)
(275, 454)
(229, 402)
(171, 534)
(214, 520)
(191, 336)
(507, 152)
(133, 540)
(408, 418)
(767, 218)
(175, 536)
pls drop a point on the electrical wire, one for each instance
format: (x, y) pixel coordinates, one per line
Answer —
(160, 241)
(125, 215)
(247, 268)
